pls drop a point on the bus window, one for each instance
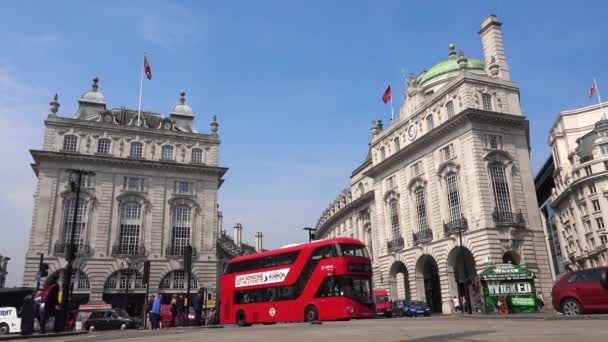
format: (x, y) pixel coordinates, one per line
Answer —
(353, 250)
(329, 251)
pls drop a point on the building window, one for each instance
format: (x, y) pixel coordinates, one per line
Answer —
(487, 101)
(184, 187)
(70, 143)
(606, 165)
(103, 146)
(600, 223)
(453, 195)
(382, 153)
(397, 146)
(86, 181)
(394, 212)
(137, 150)
(584, 209)
(420, 196)
(501, 188)
(493, 142)
(180, 235)
(588, 226)
(603, 239)
(68, 219)
(430, 124)
(596, 205)
(416, 169)
(130, 225)
(604, 148)
(167, 152)
(592, 243)
(588, 170)
(133, 184)
(447, 153)
(592, 188)
(197, 155)
(450, 109)
(390, 182)
(177, 280)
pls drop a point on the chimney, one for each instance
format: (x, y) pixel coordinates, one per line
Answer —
(258, 241)
(238, 233)
(491, 40)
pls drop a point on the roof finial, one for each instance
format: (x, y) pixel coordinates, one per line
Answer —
(95, 86)
(182, 97)
(452, 52)
(54, 105)
(462, 60)
(214, 124)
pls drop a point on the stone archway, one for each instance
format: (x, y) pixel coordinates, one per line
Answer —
(511, 257)
(427, 275)
(462, 275)
(399, 281)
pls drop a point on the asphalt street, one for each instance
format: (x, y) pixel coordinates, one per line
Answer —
(439, 328)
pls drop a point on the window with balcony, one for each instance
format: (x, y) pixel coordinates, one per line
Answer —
(394, 213)
(430, 124)
(166, 152)
(136, 150)
(103, 146)
(500, 187)
(596, 205)
(81, 221)
(453, 196)
(180, 232)
(486, 100)
(184, 187)
(420, 203)
(130, 226)
(197, 155)
(133, 184)
(449, 107)
(70, 143)
(447, 153)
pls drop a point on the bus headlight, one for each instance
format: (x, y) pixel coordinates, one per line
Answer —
(350, 309)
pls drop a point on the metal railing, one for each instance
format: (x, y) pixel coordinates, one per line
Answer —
(130, 250)
(395, 244)
(454, 226)
(81, 249)
(177, 251)
(504, 217)
(423, 236)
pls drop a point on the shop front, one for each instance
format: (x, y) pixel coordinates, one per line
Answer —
(508, 289)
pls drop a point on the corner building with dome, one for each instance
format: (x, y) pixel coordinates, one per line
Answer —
(153, 192)
(454, 163)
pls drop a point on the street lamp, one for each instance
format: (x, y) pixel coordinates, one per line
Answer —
(129, 265)
(311, 233)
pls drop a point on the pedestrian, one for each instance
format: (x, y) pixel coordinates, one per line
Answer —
(46, 301)
(181, 309)
(155, 312)
(541, 300)
(456, 304)
(198, 307)
(173, 309)
(149, 306)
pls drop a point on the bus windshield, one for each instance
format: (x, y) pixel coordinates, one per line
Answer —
(352, 250)
(354, 287)
(381, 299)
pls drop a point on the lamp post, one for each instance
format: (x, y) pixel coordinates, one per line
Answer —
(311, 233)
(70, 250)
(131, 266)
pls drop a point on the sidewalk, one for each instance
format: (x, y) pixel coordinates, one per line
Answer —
(549, 315)
(12, 337)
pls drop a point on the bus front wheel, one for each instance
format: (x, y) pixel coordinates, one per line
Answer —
(311, 314)
(240, 319)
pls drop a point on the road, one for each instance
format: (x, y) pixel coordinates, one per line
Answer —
(394, 330)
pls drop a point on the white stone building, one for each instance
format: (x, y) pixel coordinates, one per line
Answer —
(579, 143)
(455, 159)
(154, 191)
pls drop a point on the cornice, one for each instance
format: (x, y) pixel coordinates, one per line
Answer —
(468, 115)
(366, 197)
(40, 155)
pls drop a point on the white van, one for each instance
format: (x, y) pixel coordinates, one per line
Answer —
(9, 322)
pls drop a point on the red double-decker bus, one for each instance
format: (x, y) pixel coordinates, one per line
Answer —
(323, 280)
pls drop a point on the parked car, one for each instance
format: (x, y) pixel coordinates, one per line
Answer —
(582, 292)
(415, 308)
(109, 319)
(397, 308)
(382, 303)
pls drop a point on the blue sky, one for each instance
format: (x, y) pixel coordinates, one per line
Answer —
(294, 84)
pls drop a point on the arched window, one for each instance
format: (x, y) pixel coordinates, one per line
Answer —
(177, 280)
(70, 143)
(382, 153)
(486, 100)
(500, 187)
(137, 150)
(430, 124)
(80, 228)
(453, 196)
(167, 152)
(197, 155)
(120, 279)
(397, 146)
(449, 107)
(130, 227)
(103, 146)
(180, 232)
(394, 214)
(420, 198)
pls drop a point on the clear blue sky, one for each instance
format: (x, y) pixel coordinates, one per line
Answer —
(294, 85)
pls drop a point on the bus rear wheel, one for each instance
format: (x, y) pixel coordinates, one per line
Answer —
(311, 314)
(240, 319)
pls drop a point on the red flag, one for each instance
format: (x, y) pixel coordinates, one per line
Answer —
(147, 69)
(592, 90)
(387, 94)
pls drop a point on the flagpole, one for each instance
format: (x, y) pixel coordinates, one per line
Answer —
(392, 113)
(141, 90)
(597, 89)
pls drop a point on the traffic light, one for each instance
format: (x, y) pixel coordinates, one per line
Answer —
(44, 270)
(146, 277)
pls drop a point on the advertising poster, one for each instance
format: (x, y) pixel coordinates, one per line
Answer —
(508, 289)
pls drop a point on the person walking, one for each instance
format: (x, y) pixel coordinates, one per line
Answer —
(456, 304)
(46, 300)
(198, 307)
(173, 309)
(181, 309)
(155, 312)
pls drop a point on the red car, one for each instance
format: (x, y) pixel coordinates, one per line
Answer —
(382, 303)
(584, 291)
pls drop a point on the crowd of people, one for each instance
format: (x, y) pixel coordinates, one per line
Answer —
(180, 310)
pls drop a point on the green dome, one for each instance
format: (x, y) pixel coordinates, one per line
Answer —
(449, 65)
